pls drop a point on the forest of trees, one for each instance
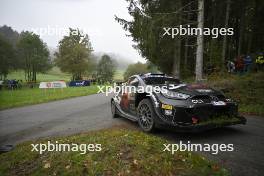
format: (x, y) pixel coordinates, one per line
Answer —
(179, 56)
(74, 54)
(105, 69)
(33, 55)
(24, 51)
(140, 68)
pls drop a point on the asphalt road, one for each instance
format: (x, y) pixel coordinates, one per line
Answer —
(92, 112)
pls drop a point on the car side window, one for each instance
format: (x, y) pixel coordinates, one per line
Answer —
(133, 82)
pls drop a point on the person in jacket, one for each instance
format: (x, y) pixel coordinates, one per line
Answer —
(239, 64)
(259, 62)
(247, 63)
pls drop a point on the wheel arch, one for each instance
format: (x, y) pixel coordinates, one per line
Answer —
(140, 96)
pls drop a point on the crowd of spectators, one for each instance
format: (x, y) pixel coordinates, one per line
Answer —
(11, 84)
(244, 63)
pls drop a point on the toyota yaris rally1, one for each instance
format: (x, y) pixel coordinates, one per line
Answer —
(184, 107)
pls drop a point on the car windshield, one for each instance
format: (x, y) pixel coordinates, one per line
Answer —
(160, 80)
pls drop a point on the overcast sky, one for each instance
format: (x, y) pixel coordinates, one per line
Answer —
(96, 17)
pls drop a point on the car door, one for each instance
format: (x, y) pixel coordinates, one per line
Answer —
(132, 95)
(127, 102)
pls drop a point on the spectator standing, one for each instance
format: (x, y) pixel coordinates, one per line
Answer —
(230, 66)
(247, 63)
(260, 62)
(239, 64)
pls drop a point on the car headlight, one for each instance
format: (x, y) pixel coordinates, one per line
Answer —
(228, 99)
(171, 94)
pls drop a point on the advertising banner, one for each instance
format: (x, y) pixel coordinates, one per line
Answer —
(80, 83)
(53, 84)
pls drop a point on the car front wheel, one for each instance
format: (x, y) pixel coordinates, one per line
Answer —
(113, 109)
(145, 113)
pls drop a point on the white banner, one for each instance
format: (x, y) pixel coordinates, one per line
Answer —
(53, 84)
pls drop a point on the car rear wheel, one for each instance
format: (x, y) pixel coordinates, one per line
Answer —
(113, 109)
(146, 115)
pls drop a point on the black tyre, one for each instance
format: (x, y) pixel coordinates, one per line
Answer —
(146, 115)
(113, 109)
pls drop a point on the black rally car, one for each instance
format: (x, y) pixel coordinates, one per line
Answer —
(184, 107)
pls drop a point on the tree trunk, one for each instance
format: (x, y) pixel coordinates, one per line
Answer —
(200, 47)
(249, 43)
(241, 33)
(252, 25)
(177, 49)
(186, 52)
(225, 36)
(34, 77)
(177, 59)
(186, 47)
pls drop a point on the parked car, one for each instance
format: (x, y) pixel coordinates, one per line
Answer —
(184, 107)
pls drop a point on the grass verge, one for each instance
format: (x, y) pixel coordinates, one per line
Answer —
(124, 152)
(52, 75)
(220, 120)
(246, 89)
(27, 96)
(55, 74)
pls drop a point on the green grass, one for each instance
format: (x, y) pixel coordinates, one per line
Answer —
(124, 152)
(119, 75)
(27, 96)
(247, 90)
(53, 75)
(220, 120)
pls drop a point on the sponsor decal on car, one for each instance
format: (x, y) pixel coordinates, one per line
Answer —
(219, 103)
(166, 106)
(204, 90)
